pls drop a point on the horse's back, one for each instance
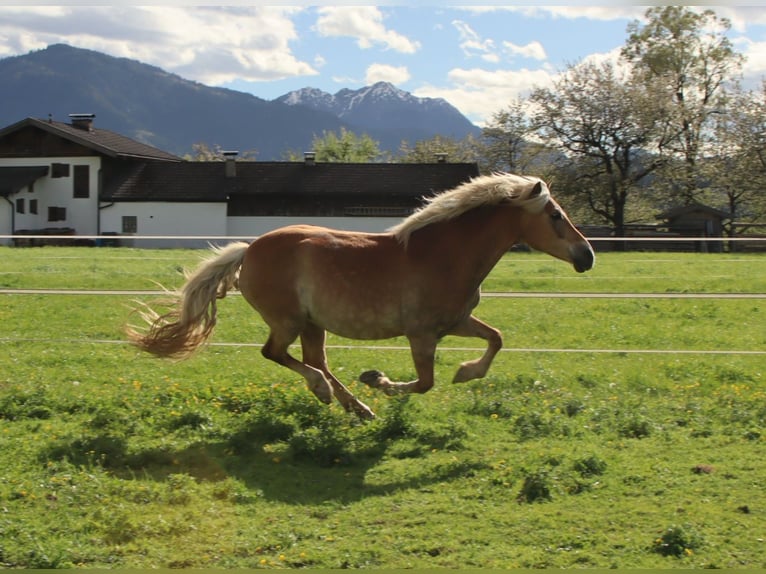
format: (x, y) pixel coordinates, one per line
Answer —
(334, 278)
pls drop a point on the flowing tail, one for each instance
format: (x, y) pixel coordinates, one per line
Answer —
(179, 332)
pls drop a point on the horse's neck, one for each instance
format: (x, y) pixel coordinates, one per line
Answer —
(473, 242)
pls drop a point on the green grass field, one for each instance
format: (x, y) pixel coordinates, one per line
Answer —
(644, 451)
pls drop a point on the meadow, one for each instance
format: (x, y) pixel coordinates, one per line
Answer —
(613, 432)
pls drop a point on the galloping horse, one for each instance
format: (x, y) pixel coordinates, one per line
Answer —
(421, 279)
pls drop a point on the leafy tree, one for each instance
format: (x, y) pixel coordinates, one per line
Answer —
(345, 147)
(427, 151)
(203, 152)
(688, 59)
(603, 124)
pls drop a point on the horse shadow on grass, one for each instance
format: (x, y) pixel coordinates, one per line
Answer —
(288, 463)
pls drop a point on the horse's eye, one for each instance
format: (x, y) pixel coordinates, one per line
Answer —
(556, 216)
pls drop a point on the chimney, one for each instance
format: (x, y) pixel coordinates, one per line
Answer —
(309, 157)
(230, 159)
(82, 121)
(441, 157)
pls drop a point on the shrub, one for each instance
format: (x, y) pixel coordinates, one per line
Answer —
(536, 487)
(635, 427)
(394, 423)
(323, 446)
(104, 450)
(188, 419)
(590, 466)
(678, 541)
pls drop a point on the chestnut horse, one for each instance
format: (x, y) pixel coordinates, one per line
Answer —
(421, 279)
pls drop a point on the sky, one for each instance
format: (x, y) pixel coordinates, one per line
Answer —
(478, 58)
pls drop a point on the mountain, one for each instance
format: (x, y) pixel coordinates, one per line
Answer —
(388, 112)
(164, 110)
(150, 105)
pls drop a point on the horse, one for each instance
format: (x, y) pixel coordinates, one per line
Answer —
(420, 279)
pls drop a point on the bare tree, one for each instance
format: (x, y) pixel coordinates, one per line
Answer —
(736, 165)
(604, 125)
(509, 142)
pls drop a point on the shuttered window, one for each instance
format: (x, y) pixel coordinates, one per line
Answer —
(82, 181)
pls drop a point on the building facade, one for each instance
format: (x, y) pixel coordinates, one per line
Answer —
(75, 179)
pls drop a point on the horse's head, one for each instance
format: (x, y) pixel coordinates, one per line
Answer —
(546, 227)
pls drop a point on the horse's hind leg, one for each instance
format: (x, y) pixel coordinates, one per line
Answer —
(476, 369)
(423, 353)
(276, 349)
(312, 341)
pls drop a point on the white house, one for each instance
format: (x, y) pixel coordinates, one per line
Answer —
(74, 179)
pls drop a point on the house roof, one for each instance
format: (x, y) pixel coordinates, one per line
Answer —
(13, 179)
(99, 140)
(207, 181)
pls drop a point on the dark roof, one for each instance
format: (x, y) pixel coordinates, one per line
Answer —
(206, 181)
(99, 140)
(162, 181)
(13, 179)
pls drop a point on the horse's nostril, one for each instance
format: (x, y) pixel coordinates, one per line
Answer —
(583, 259)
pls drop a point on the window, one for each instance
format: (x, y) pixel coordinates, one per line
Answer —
(129, 223)
(33, 206)
(82, 181)
(57, 214)
(59, 170)
(20, 205)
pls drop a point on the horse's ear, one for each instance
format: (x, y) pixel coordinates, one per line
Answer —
(537, 189)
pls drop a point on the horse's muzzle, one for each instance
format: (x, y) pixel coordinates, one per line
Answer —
(583, 257)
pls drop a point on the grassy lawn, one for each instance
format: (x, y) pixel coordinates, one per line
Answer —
(620, 459)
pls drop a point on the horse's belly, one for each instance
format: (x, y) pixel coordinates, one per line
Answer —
(354, 321)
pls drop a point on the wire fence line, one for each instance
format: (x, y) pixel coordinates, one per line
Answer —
(362, 346)
(394, 347)
(484, 294)
(654, 239)
(371, 347)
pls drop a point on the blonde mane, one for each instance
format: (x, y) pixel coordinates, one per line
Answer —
(482, 190)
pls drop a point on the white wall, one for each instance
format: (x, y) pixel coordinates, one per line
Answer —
(251, 227)
(166, 218)
(81, 213)
(5, 220)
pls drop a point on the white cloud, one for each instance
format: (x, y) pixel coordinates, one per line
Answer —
(396, 75)
(533, 50)
(365, 23)
(616, 11)
(754, 67)
(472, 44)
(212, 45)
(479, 93)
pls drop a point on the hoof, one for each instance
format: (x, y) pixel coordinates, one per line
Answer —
(323, 392)
(362, 411)
(467, 372)
(462, 376)
(371, 378)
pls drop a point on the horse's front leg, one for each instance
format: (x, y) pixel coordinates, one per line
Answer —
(476, 369)
(313, 343)
(423, 351)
